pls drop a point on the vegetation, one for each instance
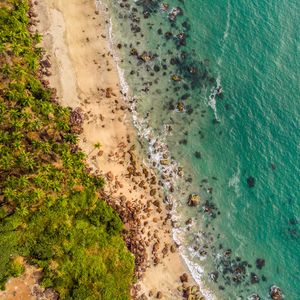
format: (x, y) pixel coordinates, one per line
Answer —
(50, 212)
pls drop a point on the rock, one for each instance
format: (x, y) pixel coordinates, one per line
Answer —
(46, 63)
(143, 297)
(165, 250)
(156, 203)
(254, 278)
(198, 154)
(180, 106)
(159, 295)
(164, 162)
(156, 261)
(76, 117)
(173, 248)
(276, 293)
(155, 247)
(151, 293)
(251, 181)
(153, 192)
(176, 77)
(110, 176)
(260, 263)
(184, 278)
(133, 52)
(146, 57)
(194, 200)
(108, 92)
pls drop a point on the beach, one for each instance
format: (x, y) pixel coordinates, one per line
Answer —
(84, 73)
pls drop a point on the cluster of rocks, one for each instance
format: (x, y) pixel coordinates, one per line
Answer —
(76, 120)
(33, 16)
(187, 291)
(45, 66)
(44, 294)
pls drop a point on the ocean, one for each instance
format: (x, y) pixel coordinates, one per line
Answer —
(214, 88)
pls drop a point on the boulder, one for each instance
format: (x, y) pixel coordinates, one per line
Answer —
(184, 278)
(260, 263)
(180, 106)
(276, 293)
(164, 162)
(251, 181)
(176, 77)
(194, 200)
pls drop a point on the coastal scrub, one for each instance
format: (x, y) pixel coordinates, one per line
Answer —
(50, 211)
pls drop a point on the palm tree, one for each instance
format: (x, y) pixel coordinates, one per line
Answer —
(96, 146)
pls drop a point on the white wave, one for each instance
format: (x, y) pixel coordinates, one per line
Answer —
(234, 181)
(216, 89)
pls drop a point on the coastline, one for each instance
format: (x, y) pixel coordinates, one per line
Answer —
(78, 46)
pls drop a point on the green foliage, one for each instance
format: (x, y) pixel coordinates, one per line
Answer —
(49, 209)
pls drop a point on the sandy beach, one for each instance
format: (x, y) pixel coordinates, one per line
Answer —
(84, 74)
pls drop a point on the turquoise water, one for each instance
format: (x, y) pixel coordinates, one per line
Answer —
(248, 133)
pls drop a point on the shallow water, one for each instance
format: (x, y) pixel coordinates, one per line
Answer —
(250, 130)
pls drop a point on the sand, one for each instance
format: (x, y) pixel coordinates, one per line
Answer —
(84, 74)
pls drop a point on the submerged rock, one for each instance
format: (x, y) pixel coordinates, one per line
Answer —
(251, 181)
(260, 263)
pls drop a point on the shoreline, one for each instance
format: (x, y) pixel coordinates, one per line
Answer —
(107, 123)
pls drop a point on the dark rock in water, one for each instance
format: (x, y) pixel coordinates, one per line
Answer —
(254, 278)
(251, 181)
(263, 278)
(174, 12)
(198, 154)
(186, 25)
(260, 263)
(156, 68)
(168, 35)
(214, 276)
(276, 293)
(133, 52)
(159, 31)
(190, 110)
(181, 39)
(183, 142)
(174, 61)
(146, 14)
